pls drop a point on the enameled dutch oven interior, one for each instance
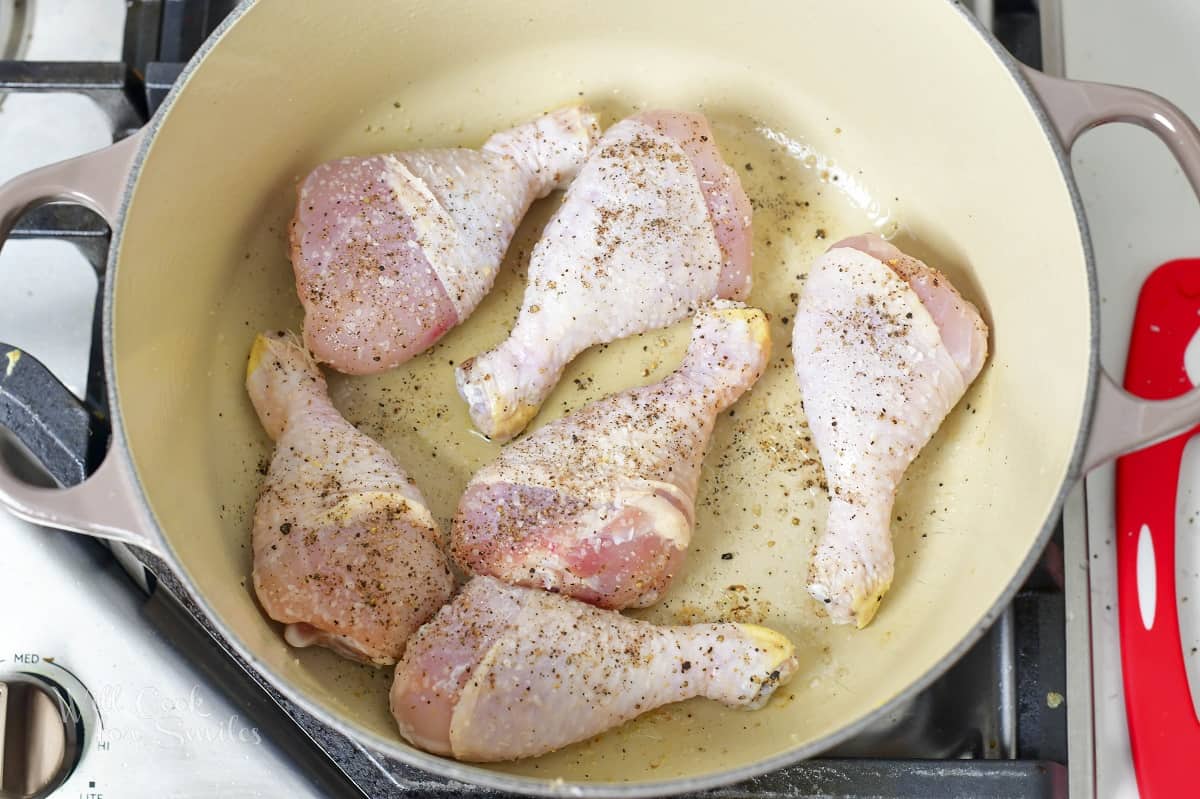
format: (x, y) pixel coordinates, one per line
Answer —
(839, 117)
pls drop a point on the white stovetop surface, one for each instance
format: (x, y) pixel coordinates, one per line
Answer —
(1150, 44)
(169, 734)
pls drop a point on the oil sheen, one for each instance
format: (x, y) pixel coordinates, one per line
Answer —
(762, 496)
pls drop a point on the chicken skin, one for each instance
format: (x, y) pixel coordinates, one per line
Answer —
(505, 672)
(654, 225)
(392, 251)
(346, 553)
(600, 504)
(885, 347)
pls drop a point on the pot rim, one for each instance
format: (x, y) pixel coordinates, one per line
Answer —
(473, 773)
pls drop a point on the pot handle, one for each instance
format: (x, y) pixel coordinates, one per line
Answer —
(1123, 422)
(54, 425)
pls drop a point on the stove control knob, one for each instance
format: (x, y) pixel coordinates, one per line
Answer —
(42, 731)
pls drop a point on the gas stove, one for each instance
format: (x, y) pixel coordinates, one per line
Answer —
(158, 704)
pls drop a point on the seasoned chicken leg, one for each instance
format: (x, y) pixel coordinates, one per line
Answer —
(505, 672)
(346, 553)
(884, 348)
(391, 251)
(655, 224)
(600, 504)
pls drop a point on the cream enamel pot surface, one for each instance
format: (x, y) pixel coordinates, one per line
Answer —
(839, 116)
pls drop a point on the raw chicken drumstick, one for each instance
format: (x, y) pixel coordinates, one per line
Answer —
(600, 504)
(505, 672)
(391, 251)
(654, 224)
(884, 348)
(346, 553)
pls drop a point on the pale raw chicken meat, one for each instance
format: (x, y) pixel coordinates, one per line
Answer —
(506, 672)
(600, 504)
(885, 347)
(654, 225)
(346, 552)
(391, 251)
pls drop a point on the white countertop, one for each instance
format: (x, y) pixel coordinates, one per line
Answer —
(1142, 213)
